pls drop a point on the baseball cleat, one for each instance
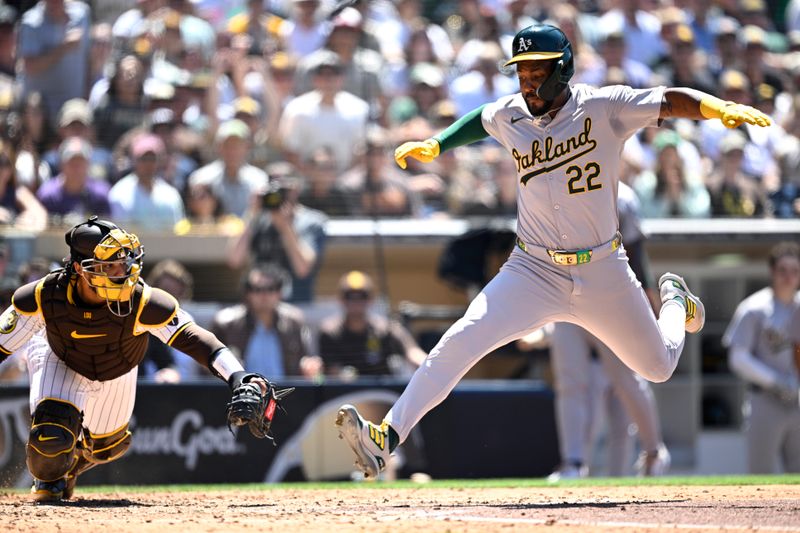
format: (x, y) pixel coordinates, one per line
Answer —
(674, 287)
(369, 441)
(48, 491)
(655, 463)
(568, 471)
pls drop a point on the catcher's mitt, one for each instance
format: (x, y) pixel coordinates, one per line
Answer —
(248, 406)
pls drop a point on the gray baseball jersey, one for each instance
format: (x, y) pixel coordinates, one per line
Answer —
(761, 324)
(767, 330)
(569, 167)
(568, 170)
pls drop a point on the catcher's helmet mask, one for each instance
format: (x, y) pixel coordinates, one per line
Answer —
(110, 260)
(543, 42)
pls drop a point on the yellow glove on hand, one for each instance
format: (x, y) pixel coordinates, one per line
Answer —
(425, 151)
(732, 114)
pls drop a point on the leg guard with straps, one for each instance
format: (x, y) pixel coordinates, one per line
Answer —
(55, 428)
(99, 449)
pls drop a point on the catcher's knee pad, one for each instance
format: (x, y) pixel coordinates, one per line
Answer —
(105, 448)
(51, 444)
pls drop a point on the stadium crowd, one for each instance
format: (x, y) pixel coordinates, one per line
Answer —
(262, 119)
(173, 114)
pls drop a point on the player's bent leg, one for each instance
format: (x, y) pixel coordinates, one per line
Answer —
(51, 448)
(96, 450)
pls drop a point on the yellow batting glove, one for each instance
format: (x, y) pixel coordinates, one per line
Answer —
(425, 151)
(732, 114)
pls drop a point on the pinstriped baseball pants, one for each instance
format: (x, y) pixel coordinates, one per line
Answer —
(107, 405)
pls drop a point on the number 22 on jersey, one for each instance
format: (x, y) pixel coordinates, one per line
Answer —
(576, 175)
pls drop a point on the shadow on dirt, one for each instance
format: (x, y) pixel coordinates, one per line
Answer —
(95, 504)
(559, 505)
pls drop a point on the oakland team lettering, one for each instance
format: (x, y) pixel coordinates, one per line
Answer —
(574, 147)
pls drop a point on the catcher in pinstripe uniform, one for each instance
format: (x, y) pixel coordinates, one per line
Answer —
(83, 327)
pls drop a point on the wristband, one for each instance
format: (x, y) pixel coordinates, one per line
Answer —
(223, 364)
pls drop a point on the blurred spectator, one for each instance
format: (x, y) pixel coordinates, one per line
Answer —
(54, 48)
(72, 192)
(143, 198)
(8, 42)
(483, 83)
(496, 195)
(669, 191)
(34, 269)
(359, 343)
(177, 165)
(162, 363)
(734, 194)
(233, 180)
(281, 230)
(268, 335)
(261, 26)
(131, 24)
(361, 68)
(613, 51)
(683, 68)
(76, 120)
(326, 116)
(122, 106)
(727, 53)
(34, 138)
(754, 66)
(99, 51)
(642, 30)
(785, 198)
(703, 18)
(427, 85)
(18, 206)
(321, 191)
(304, 32)
(204, 214)
(381, 186)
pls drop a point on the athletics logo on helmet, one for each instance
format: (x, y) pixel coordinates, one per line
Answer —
(540, 42)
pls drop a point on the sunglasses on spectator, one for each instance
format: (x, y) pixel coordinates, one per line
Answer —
(264, 288)
(355, 296)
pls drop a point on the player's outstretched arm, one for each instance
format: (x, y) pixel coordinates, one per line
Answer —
(465, 130)
(682, 102)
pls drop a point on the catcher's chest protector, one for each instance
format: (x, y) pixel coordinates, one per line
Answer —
(92, 341)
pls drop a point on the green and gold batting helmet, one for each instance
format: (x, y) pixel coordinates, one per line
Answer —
(540, 42)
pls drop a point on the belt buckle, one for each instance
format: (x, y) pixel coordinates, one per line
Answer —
(564, 258)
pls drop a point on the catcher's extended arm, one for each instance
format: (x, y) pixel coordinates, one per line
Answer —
(253, 403)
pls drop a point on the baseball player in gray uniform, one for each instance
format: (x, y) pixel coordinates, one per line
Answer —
(570, 351)
(761, 342)
(569, 264)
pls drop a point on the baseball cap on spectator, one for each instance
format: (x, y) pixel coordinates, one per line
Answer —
(666, 139)
(684, 34)
(355, 281)
(147, 143)
(765, 92)
(614, 35)
(426, 74)
(444, 111)
(247, 106)
(727, 26)
(155, 89)
(161, 117)
(733, 140)
(752, 36)
(75, 110)
(734, 80)
(794, 40)
(8, 15)
(752, 6)
(75, 147)
(348, 18)
(233, 128)
(325, 59)
(671, 15)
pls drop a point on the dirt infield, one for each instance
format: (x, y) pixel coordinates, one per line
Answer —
(424, 509)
